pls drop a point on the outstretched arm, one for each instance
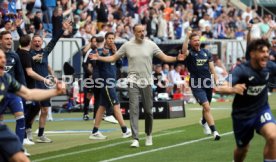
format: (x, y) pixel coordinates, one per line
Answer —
(227, 88)
(112, 58)
(40, 94)
(166, 58)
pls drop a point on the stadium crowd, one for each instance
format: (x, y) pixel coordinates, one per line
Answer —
(88, 19)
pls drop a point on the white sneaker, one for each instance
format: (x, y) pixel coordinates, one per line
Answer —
(26, 141)
(110, 119)
(206, 128)
(97, 136)
(135, 143)
(26, 152)
(216, 136)
(43, 139)
(50, 119)
(127, 134)
(29, 134)
(148, 141)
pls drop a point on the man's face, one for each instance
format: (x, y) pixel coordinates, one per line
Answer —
(6, 42)
(37, 43)
(110, 40)
(195, 42)
(2, 63)
(139, 32)
(261, 57)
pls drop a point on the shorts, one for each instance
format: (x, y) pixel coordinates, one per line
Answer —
(44, 103)
(244, 128)
(108, 97)
(203, 95)
(9, 143)
(13, 102)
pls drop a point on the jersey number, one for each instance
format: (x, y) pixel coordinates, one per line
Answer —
(265, 117)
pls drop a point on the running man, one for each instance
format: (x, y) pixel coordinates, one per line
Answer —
(250, 109)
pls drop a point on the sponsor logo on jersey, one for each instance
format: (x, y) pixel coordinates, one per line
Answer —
(255, 90)
(251, 78)
(200, 62)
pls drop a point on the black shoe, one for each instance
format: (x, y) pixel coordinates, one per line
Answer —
(85, 117)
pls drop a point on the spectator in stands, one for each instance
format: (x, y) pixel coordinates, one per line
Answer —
(176, 80)
(159, 80)
(102, 13)
(56, 21)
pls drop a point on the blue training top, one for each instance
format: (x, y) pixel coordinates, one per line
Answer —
(107, 70)
(197, 63)
(255, 96)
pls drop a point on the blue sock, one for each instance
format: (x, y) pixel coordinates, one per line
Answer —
(95, 129)
(40, 132)
(20, 128)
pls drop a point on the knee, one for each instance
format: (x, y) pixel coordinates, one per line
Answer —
(242, 150)
(206, 108)
(44, 111)
(271, 138)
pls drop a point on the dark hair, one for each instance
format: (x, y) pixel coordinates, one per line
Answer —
(135, 26)
(100, 39)
(93, 37)
(37, 35)
(108, 33)
(258, 44)
(24, 40)
(4, 33)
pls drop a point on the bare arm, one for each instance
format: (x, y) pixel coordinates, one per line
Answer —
(40, 94)
(186, 42)
(34, 75)
(226, 88)
(212, 70)
(111, 58)
(166, 58)
(86, 48)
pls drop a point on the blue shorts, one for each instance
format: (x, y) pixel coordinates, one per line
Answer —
(108, 97)
(9, 143)
(203, 94)
(244, 128)
(13, 102)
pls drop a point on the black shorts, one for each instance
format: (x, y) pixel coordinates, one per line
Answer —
(9, 143)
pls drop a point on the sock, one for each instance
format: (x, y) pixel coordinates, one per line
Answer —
(50, 112)
(203, 120)
(124, 129)
(95, 129)
(40, 132)
(20, 128)
(213, 128)
(86, 106)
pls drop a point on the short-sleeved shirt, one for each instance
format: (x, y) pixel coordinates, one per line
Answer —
(139, 57)
(27, 62)
(197, 63)
(107, 69)
(255, 95)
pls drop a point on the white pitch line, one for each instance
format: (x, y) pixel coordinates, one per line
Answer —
(99, 148)
(162, 148)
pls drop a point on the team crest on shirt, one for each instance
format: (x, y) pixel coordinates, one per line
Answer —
(8, 68)
(205, 55)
